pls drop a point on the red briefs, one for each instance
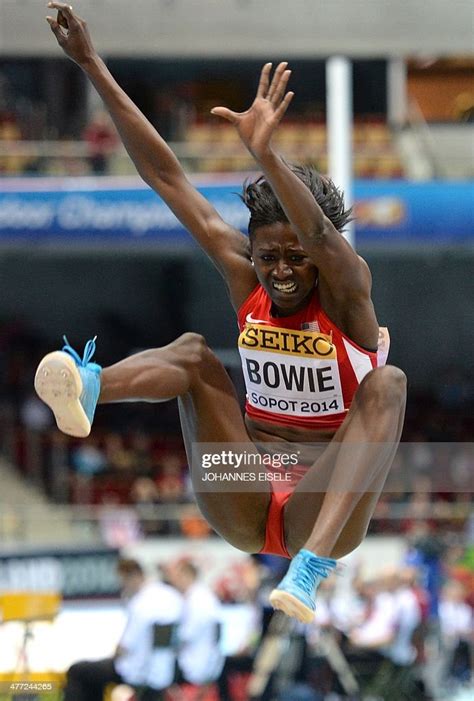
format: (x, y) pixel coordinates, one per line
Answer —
(275, 527)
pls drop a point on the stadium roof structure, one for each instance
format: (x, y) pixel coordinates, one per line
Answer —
(250, 28)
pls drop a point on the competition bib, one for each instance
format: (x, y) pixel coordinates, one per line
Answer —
(290, 372)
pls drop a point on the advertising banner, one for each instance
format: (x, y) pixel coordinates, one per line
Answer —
(73, 573)
(48, 210)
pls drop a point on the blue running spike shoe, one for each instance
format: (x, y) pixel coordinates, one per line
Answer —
(70, 386)
(296, 593)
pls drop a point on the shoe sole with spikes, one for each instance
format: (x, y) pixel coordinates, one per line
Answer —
(291, 606)
(59, 384)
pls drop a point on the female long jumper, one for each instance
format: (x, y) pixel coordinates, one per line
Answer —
(308, 342)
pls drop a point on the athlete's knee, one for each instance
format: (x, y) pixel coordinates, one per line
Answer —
(192, 352)
(199, 361)
(386, 385)
(193, 343)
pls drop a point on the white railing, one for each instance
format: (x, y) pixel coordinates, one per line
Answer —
(89, 523)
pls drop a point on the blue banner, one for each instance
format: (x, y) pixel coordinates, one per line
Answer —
(75, 573)
(115, 209)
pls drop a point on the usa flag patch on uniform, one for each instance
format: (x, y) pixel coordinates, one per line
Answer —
(310, 326)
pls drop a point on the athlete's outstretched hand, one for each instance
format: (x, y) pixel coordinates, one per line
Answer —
(72, 33)
(257, 125)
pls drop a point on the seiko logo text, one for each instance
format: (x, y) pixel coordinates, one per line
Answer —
(267, 338)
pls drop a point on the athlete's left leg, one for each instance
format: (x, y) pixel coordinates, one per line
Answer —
(330, 510)
(359, 457)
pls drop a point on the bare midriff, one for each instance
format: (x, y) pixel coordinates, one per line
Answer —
(265, 431)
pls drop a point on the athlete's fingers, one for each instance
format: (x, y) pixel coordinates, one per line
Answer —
(62, 20)
(56, 29)
(264, 80)
(276, 79)
(66, 16)
(280, 111)
(62, 7)
(225, 113)
(280, 88)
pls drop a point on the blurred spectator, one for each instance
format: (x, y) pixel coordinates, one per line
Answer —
(239, 590)
(375, 629)
(119, 458)
(10, 132)
(144, 492)
(119, 524)
(200, 659)
(170, 480)
(343, 607)
(410, 577)
(144, 495)
(141, 445)
(425, 554)
(461, 469)
(87, 460)
(137, 661)
(382, 651)
(102, 140)
(456, 626)
(407, 618)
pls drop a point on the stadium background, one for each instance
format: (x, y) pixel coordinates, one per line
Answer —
(86, 249)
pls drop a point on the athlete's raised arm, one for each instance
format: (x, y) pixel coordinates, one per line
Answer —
(342, 272)
(154, 160)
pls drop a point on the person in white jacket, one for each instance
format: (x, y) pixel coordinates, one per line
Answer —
(137, 661)
(200, 659)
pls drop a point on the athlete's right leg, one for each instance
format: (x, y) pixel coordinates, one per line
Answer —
(209, 411)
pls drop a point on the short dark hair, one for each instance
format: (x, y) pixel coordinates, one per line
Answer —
(127, 566)
(188, 567)
(265, 208)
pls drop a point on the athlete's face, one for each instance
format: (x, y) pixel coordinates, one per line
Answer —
(283, 268)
